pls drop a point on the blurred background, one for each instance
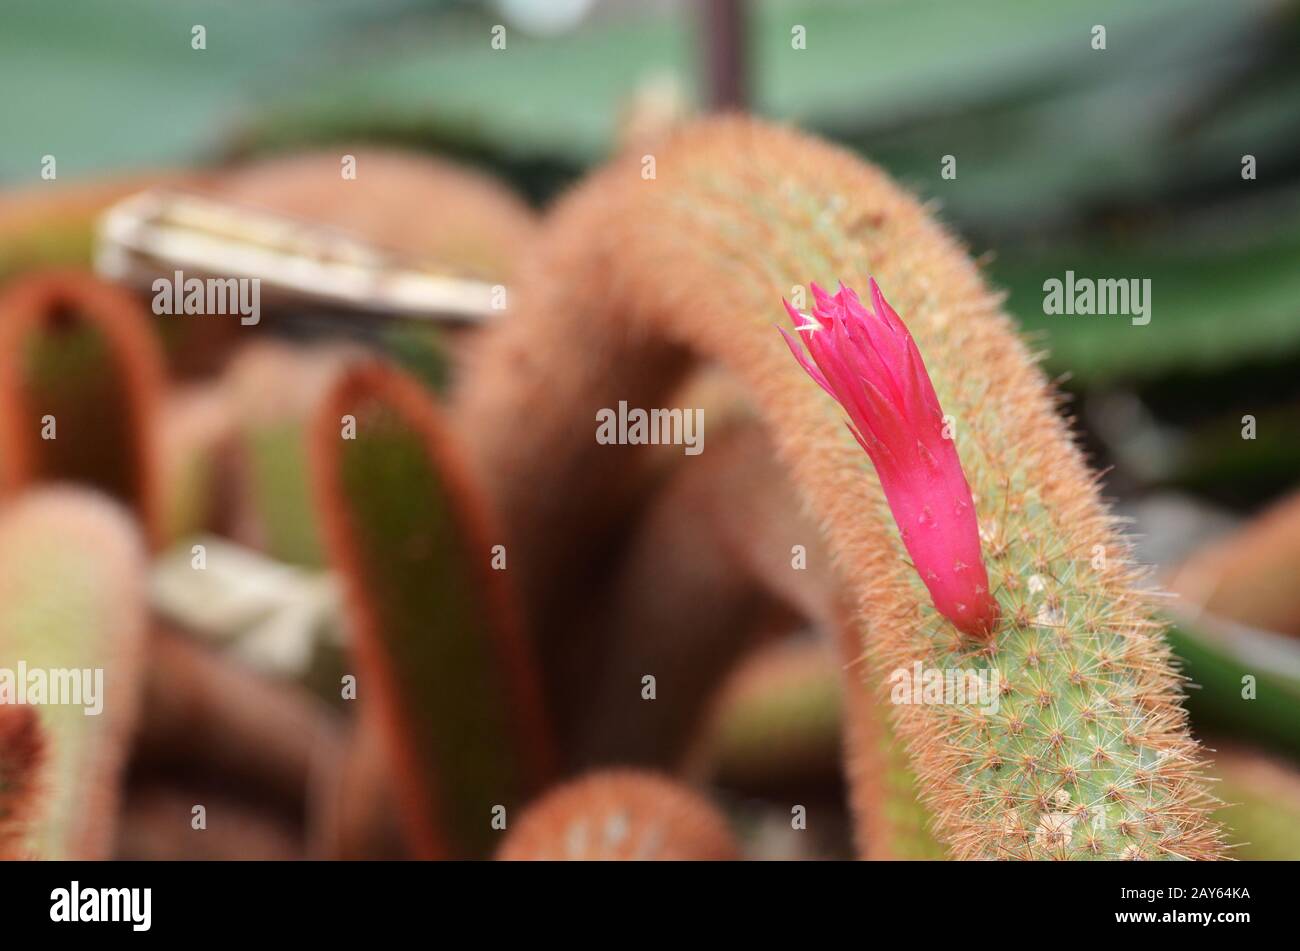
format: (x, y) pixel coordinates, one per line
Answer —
(1122, 162)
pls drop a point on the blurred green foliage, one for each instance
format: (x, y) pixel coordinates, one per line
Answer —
(1245, 684)
(1123, 162)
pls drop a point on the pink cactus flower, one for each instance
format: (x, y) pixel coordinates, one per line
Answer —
(869, 363)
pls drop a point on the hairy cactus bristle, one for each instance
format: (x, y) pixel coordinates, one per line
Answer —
(22, 750)
(620, 815)
(1088, 753)
(80, 382)
(72, 603)
(439, 642)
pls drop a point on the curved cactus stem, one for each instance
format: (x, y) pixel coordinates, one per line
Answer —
(80, 383)
(1088, 752)
(72, 612)
(620, 815)
(440, 647)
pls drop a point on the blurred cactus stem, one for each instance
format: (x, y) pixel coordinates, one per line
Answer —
(22, 750)
(1250, 575)
(81, 380)
(621, 815)
(440, 649)
(72, 619)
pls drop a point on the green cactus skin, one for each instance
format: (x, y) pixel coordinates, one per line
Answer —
(437, 640)
(72, 596)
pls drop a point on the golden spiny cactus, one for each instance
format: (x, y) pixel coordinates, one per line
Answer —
(620, 815)
(72, 613)
(687, 254)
